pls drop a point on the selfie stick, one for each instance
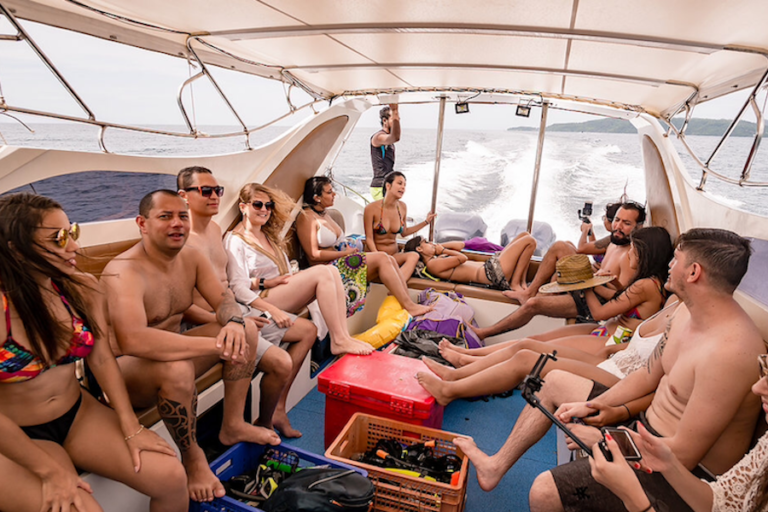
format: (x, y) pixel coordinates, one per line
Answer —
(532, 383)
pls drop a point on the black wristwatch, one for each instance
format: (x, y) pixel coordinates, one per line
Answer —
(261, 283)
(237, 320)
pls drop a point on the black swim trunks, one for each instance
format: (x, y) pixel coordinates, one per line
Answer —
(579, 491)
(55, 430)
(583, 314)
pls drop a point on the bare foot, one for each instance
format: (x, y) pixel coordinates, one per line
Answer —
(438, 369)
(453, 357)
(489, 474)
(481, 332)
(520, 296)
(419, 309)
(248, 433)
(434, 386)
(283, 425)
(447, 345)
(202, 484)
(350, 346)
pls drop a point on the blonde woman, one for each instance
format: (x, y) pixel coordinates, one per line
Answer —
(260, 276)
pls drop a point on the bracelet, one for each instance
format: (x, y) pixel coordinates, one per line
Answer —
(629, 416)
(141, 429)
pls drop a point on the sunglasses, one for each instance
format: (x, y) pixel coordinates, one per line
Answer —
(258, 205)
(63, 236)
(763, 360)
(207, 191)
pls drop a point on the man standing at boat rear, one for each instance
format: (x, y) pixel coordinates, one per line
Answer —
(149, 287)
(202, 192)
(383, 148)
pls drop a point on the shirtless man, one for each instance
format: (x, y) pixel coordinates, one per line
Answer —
(149, 287)
(629, 217)
(702, 372)
(202, 193)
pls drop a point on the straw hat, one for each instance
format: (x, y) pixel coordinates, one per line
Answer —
(574, 273)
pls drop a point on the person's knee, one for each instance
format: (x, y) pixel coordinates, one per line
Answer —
(543, 495)
(276, 362)
(555, 386)
(172, 487)
(532, 305)
(176, 378)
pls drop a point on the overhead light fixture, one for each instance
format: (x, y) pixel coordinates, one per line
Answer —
(523, 110)
(462, 108)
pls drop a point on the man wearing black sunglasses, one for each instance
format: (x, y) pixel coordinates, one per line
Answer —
(194, 183)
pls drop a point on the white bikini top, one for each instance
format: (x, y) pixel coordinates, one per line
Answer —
(326, 237)
(636, 355)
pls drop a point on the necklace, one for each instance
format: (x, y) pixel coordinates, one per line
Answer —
(320, 213)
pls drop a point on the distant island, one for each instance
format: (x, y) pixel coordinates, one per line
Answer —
(695, 127)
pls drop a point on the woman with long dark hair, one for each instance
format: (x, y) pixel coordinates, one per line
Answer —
(54, 316)
(743, 488)
(504, 368)
(387, 218)
(649, 256)
(323, 242)
(260, 275)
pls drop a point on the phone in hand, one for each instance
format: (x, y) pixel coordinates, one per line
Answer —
(624, 440)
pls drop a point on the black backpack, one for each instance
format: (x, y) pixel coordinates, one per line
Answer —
(320, 490)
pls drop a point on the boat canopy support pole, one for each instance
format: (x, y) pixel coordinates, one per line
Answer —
(22, 34)
(760, 126)
(537, 166)
(438, 153)
(204, 70)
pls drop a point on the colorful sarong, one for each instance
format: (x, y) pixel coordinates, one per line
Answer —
(354, 277)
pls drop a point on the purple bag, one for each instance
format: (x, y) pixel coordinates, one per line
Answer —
(482, 245)
(450, 317)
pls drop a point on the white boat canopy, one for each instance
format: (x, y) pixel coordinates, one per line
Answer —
(648, 56)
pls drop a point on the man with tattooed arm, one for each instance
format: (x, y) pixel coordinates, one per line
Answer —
(149, 287)
(701, 372)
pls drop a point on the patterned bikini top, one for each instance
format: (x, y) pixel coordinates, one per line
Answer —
(17, 364)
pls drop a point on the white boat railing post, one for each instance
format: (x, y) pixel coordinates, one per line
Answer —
(537, 166)
(438, 153)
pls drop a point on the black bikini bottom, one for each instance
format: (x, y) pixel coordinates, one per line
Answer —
(56, 430)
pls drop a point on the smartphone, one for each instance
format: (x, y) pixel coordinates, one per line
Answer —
(266, 314)
(624, 440)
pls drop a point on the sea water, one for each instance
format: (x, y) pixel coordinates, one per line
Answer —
(488, 173)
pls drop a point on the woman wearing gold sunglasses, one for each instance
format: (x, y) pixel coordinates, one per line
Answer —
(54, 316)
(744, 488)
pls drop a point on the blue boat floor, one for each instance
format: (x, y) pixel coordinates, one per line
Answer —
(489, 423)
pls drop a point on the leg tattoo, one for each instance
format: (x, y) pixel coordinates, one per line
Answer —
(238, 371)
(181, 424)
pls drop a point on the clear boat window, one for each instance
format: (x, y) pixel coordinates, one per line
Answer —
(487, 169)
(93, 196)
(708, 123)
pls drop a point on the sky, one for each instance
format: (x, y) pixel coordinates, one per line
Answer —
(126, 85)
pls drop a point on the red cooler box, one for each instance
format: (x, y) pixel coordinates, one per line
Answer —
(380, 385)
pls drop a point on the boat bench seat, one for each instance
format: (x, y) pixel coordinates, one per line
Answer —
(93, 260)
(468, 290)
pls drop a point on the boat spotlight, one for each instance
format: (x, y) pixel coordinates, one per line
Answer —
(523, 110)
(462, 108)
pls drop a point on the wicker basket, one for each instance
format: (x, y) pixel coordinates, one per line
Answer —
(396, 492)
